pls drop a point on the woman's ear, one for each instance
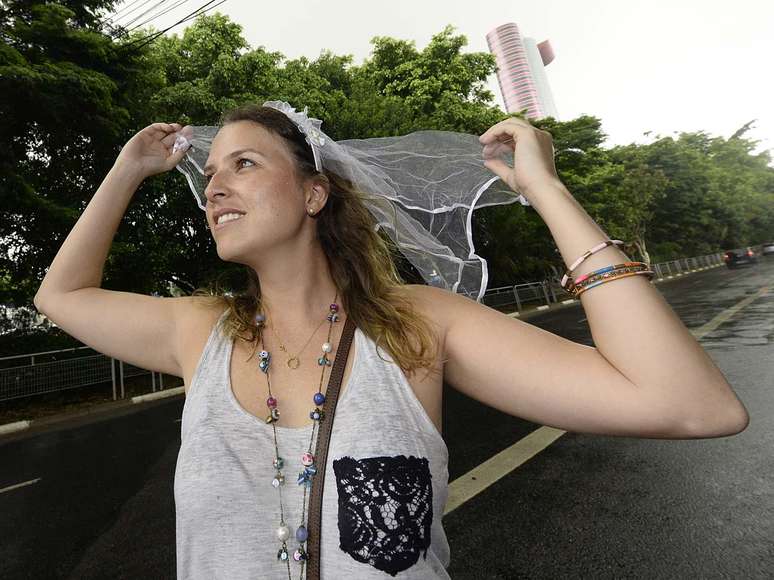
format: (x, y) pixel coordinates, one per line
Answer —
(317, 195)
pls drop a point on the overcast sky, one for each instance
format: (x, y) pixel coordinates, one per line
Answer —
(658, 65)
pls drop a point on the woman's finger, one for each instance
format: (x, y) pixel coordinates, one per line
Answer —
(166, 133)
(506, 128)
(499, 168)
(491, 134)
(165, 127)
(171, 136)
(174, 158)
(496, 149)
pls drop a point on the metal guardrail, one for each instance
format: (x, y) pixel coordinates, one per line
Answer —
(74, 372)
(544, 292)
(70, 373)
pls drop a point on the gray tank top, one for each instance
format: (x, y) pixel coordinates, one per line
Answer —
(386, 478)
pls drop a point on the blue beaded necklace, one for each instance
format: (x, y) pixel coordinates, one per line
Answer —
(307, 459)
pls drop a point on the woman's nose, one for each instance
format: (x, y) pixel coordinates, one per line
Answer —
(213, 185)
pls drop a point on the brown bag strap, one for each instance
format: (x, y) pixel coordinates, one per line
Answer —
(321, 451)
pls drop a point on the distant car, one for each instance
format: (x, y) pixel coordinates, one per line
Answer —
(767, 249)
(734, 258)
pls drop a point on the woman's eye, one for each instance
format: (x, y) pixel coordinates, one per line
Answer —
(239, 162)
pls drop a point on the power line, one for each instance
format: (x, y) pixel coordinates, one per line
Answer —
(137, 8)
(117, 28)
(124, 8)
(151, 9)
(141, 24)
(151, 37)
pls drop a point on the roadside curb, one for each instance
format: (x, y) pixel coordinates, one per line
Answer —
(158, 395)
(104, 408)
(15, 426)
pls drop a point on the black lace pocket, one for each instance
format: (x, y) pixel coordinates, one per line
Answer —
(385, 510)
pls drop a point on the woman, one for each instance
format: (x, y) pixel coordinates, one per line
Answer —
(312, 256)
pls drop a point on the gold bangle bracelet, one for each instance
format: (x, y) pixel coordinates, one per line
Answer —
(619, 269)
(612, 273)
(583, 288)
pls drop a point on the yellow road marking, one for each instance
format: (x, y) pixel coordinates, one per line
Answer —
(479, 478)
(18, 485)
(698, 333)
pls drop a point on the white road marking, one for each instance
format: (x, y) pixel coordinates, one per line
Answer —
(18, 485)
(479, 478)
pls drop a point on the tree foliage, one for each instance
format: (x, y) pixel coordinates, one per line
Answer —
(71, 95)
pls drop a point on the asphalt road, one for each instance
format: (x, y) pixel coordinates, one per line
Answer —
(97, 495)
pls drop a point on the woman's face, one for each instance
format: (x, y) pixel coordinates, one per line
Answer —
(251, 170)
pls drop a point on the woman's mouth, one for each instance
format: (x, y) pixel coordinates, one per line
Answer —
(227, 222)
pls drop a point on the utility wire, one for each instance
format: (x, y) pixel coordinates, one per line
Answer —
(139, 16)
(117, 14)
(128, 13)
(141, 24)
(117, 27)
(140, 42)
(153, 35)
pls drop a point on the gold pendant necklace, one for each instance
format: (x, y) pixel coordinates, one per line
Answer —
(294, 362)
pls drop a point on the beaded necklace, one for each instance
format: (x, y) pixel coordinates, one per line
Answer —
(307, 459)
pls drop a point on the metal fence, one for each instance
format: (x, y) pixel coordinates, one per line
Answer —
(60, 371)
(548, 291)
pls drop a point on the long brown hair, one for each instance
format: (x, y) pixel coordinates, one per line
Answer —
(360, 261)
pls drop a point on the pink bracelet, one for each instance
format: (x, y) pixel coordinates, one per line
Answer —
(594, 250)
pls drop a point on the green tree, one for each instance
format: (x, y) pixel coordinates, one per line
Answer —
(442, 87)
(62, 112)
(628, 192)
(70, 96)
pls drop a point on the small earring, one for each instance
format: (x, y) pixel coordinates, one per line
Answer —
(309, 211)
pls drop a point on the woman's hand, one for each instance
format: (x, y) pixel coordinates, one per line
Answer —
(150, 151)
(533, 155)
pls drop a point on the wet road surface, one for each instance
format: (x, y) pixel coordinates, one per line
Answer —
(97, 498)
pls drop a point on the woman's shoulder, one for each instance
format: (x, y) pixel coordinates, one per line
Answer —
(428, 300)
(432, 304)
(200, 313)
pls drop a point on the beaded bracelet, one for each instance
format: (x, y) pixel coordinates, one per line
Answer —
(566, 282)
(605, 272)
(608, 269)
(648, 273)
(606, 275)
